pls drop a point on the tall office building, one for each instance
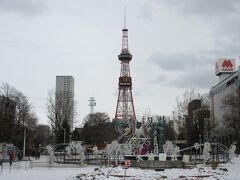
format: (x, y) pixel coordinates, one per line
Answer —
(228, 85)
(64, 98)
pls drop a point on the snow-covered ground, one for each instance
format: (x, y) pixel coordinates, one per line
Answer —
(24, 171)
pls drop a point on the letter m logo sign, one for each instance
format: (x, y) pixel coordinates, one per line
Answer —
(227, 64)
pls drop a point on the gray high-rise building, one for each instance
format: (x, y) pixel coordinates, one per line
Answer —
(228, 85)
(64, 97)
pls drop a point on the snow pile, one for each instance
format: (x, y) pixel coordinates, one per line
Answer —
(203, 171)
(24, 171)
(119, 173)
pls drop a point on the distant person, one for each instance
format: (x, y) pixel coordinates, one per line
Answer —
(33, 153)
(11, 157)
(19, 155)
(38, 154)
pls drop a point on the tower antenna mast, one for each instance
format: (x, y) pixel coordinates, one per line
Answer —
(125, 18)
(125, 113)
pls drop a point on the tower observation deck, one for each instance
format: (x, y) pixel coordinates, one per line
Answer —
(125, 113)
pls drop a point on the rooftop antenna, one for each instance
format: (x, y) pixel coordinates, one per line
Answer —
(125, 35)
(125, 17)
(92, 103)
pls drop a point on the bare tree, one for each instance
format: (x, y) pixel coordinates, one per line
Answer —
(41, 136)
(182, 103)
(181, 110)
(97, 118)
(23, 107)
(61, 113)
(169, 131)
(17, 113)
(7, 119)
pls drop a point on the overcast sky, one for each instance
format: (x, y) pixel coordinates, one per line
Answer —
(174, 46)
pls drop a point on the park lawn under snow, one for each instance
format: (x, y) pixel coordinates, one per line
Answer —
(22, 171)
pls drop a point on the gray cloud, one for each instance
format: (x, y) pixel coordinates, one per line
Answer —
(185, 70)
(196, 70)
(180, 61)
(222, 16)
(199, 79)
(228, 29)
(145, 12)
(160, 78)
(26, 7)
(208, 8)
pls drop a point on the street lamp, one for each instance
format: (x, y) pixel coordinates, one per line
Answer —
(24, 137)
(64, 134)
(200, 142)
(24, 140)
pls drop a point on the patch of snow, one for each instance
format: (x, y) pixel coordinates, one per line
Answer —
(24, 171)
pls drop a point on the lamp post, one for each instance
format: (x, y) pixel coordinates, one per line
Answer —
(64, 133)
(200, 143)
(24, 139)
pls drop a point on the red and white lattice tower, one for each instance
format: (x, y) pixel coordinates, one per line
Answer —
(125, 106)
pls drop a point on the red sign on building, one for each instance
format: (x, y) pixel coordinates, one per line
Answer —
(227, 64)
(224, 65)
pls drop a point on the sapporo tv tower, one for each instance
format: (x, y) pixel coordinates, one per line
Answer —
(125, 113)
